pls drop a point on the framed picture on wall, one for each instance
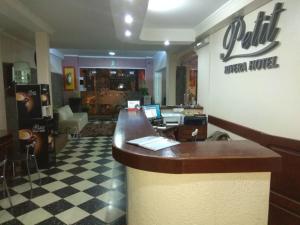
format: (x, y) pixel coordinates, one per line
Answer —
(69, 77)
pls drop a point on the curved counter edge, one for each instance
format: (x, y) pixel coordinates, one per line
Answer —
(189, 157)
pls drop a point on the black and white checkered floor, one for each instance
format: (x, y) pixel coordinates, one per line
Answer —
(86, 187)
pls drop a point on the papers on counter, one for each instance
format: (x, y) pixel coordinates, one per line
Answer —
(153, 143)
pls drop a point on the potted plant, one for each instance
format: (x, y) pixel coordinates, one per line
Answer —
(143, 91)
(85, 108)
(146, 98)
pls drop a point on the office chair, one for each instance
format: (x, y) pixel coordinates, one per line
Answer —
(16, 155)
(4, 183)
(194, 135)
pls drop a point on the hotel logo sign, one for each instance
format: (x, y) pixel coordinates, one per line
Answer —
(264, 33)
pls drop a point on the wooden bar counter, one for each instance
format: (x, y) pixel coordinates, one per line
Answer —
(211, 183)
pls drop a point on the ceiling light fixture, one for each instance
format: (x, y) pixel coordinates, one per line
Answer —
(127, 33)
(167, 43)
(164, 5)
(198, 44)
(128, 19)
(111, 53)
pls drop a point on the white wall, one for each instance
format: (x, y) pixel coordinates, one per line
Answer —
(267, 100)
(14, 49)
(159, 61)
(172, 62)
(160, 65)
(56, 64)
(203, 77)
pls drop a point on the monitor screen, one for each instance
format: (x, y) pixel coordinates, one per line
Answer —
(152, 111)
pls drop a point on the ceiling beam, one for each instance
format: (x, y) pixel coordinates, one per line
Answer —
(223, 16)
(182, 36)
(16, 11)
(138, 11)
(17, 39)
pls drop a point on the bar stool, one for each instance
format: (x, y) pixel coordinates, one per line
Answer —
(17, 156)
(4, 183)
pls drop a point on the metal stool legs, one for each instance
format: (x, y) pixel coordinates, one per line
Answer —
(29, 157)
(37, 169)
(28, 171)
(5, 187)
(7, 192)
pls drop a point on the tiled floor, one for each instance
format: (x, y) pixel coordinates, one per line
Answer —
(86, 187)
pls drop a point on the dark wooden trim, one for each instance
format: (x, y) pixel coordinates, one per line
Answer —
(285, 185)
(280, 216)
(240, 130)
(285, 202)
(188, 157)
(262, 138)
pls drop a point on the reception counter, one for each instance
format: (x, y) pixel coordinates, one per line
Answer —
(211, 183)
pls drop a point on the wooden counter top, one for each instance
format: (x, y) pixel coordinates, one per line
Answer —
(188, 157)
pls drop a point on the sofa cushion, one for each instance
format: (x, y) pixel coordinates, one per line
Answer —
(69, 120)
(68, 111)
(62, 113)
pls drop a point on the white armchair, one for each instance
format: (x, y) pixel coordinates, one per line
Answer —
(69, 120)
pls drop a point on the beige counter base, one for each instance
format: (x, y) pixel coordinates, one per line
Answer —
(197, 199)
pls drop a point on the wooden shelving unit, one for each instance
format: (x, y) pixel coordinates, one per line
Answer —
(105, 91)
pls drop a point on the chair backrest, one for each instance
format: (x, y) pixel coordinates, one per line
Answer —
(219, 136)
(65, 112)
(68, 111)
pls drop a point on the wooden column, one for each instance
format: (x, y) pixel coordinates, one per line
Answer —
(42, 58)
(42, 43)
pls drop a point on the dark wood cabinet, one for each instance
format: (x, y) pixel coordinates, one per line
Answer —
(184, 132)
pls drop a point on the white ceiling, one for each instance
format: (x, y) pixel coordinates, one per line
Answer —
(122, 53)
(93, 27)
(190, 14)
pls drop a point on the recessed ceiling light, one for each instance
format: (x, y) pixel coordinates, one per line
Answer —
(167, 43)
(198, 44)
(128, 19)
(127, 33)
(164, 5)
(111, 53)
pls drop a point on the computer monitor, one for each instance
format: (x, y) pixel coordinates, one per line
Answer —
(152, 111)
